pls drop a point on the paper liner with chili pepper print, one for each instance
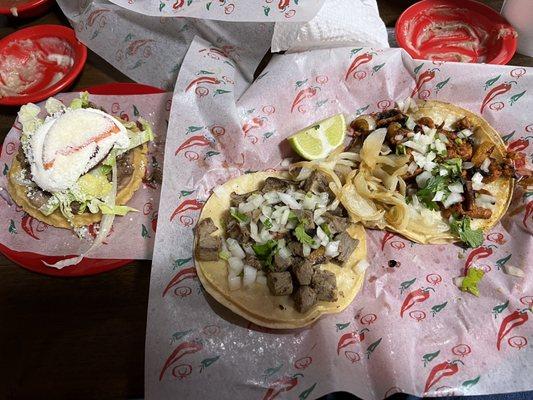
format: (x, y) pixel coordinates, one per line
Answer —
(150, 49)
(227, 10)
(132, 236)
(410, 329)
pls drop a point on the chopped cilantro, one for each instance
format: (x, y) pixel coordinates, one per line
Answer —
(267, 223)
(470, 281)
(400, 150)
(265, 252)
(458, 141)
(302, 235)
(326, 230)
(239, 216)
(293, 216)
(454, 166)
(461, 228)
(427, 193)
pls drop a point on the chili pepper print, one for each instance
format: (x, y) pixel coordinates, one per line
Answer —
(281, 385)
(416, 296)
(207, 362)
(405, 285)
(427, 358)
(134, 46)
(181, 350)
(496, 310)
(27, 226)
(93, 16)
(178, 4)
(203, 79)
(304, 94)
(477, 254)
(512, 321)
(283, 4)
(187, 205)
(186, 273)
(372, 347)
(356, 63)
(256, 122)
(518, 145)
(495, 92)
(386, 237)
(305, 394)
(422, 79)
(197, 140)
(440, 371)
(351, 338)
(514, 98)
(528, 213)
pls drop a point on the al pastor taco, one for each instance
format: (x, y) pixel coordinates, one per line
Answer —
(432, 172)
(277, 251)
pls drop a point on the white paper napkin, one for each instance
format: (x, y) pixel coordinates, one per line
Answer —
(338, 23)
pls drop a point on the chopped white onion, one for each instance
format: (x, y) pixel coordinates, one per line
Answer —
(443, 172)
(466, 133)
(267, 211)
(439, 196)
(290, 201)
(385, 150)
(485, 165)
(477, 181)
(323, 238)
(309, 202)
(246, 207)
(456, 187)
(271, 198)
(284, 217)
(254, 231)
(248, 250)
(284, 252)
(443, 138)
(306, 249)
(332, 249)
(261, 279)
(235, 248)
(236, 265)
(410, 123)
(412, 167)
(452, 199)
(249, 276)
(304, 174)
(423, 178)
(467, 165)
(265, 235)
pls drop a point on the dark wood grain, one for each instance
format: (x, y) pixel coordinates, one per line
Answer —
(83, 338)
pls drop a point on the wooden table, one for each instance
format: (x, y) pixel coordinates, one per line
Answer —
(84, 337)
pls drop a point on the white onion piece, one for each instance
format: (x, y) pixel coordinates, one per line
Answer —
(452, 199)
(485, 165)
(362, 266)
(456, 187)
(235, 265)
(423, 178)
(309, 202)
(284, 252)
(284, 217)
(477, 181)
(289, 201)
(266, 211)
(271, 198)
(250, 274)
(248, 250)
(246, 207)
(332, 249)
(306, 249)
(467, 165)
(303, 174)
(256, 199)
(438, 196)
(235, 248)
(323, 238)
(410, 123)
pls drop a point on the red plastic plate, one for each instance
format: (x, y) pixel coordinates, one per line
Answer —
(463, 20)
(50, 52)
(88, 266)
(28, 8)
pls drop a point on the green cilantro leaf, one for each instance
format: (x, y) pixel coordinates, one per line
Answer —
(325, 228)
(302, 235)
(292, 216)
(267, 223)
(461, 228)
(265, 252)
(470, 281)
(239, 216)
(427, 193)
(453, 165)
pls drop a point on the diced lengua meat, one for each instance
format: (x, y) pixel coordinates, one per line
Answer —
(304, 298)
(207, 246)
(325, 285)
(275, 184)
(280, 283)
(347, 245)
(281, 264)
(253, 261)
(316, 183)
(303, 273)
(236, 199)
(296, 248)
(336, 223)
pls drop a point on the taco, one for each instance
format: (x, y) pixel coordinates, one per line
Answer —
(432, 172)
(277, 251)
(78, 164)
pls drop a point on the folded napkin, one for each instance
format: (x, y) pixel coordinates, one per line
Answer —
(338, 23)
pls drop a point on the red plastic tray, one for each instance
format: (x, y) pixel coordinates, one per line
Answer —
(88, 266)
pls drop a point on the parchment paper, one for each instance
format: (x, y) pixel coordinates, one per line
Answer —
(227, 10)
(445, 345)
(150, 49)
(133, 235)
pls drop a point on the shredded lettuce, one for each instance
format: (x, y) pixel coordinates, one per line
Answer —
(29, 119)
(81, 102)
(470, 281)
(116, 210)
(138, 137)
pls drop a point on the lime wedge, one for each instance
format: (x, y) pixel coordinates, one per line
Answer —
(318, 140)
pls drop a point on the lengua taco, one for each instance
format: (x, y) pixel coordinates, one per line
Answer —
(78, 165)
(279, 252)
(432, 171)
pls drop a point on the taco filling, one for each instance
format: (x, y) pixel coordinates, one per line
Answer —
(279, 236)
(434, 173)
(78, 163)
